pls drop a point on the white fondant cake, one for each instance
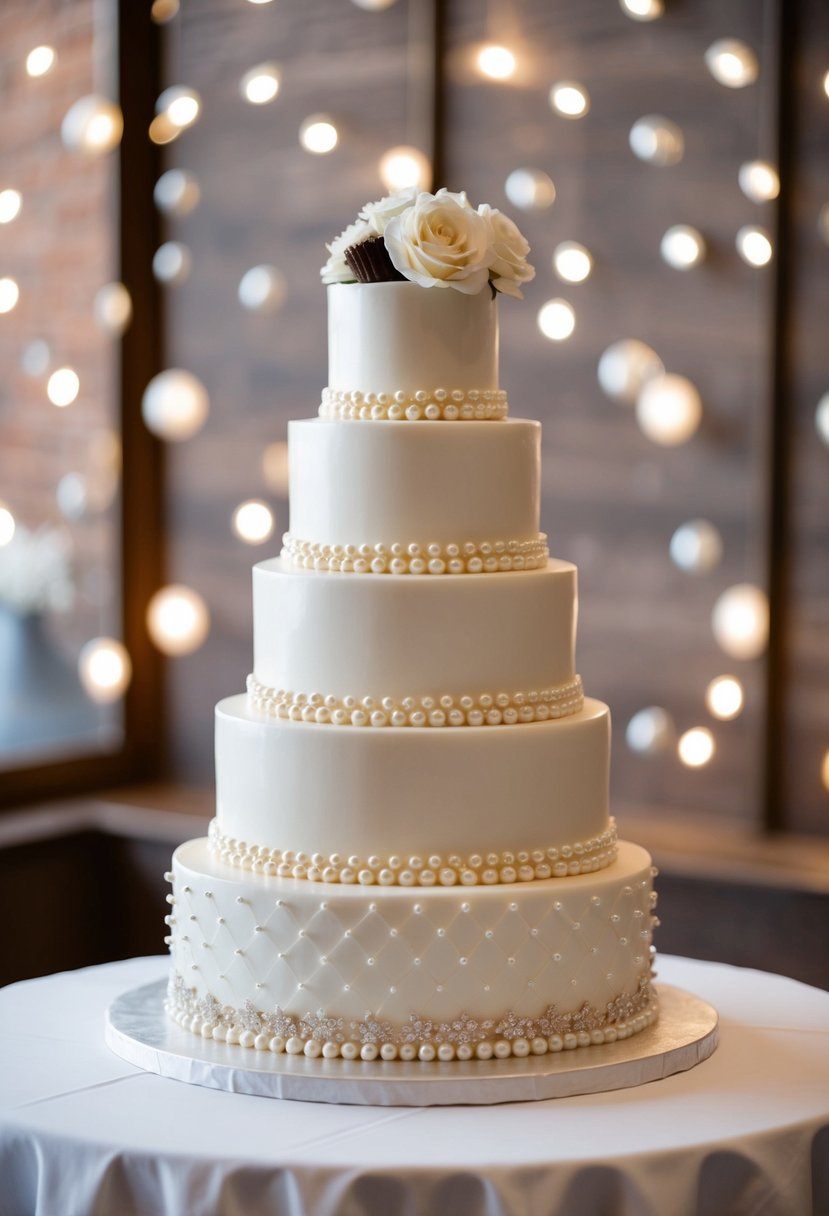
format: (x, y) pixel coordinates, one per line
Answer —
(412, 855)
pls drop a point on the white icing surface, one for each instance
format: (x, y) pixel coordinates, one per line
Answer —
(396, 483)
(346, 636)
(345, 951)
(334, 789)
(385, 337)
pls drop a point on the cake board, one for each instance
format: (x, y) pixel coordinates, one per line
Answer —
(139, 1031)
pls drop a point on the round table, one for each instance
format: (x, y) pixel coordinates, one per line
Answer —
(747, 1131)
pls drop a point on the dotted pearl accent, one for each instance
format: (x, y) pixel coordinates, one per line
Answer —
(435, 405)
(501, 709)
(486, 557)
(428, 870)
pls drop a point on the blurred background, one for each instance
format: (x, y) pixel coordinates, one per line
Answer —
(169, 175)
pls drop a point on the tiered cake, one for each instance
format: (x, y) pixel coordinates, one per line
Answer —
(412, 855)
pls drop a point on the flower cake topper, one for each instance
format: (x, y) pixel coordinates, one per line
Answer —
(435, 240)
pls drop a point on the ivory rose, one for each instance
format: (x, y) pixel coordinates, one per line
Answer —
(509, 267)
(439, 242)
(336, 269)
(377, 215)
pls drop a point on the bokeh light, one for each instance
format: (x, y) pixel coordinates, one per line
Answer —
(572, 262)
(724, 697)
(530, 189)
(696, 547)
(556, 320)
(625, 367)
(740, 621)
(669, 410)
(63, 386)
(405, 166)
(105, 669)
(696, 747)
(177, 620)
(253, 522)
(175, 404)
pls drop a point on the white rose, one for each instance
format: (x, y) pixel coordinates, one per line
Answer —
(438, 242)
(460, 197)
(336, 269)
(377, 215)
(509, 267)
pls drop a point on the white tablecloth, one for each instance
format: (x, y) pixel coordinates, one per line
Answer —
(746, 1132)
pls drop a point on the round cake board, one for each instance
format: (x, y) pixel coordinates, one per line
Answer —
(139, 1031)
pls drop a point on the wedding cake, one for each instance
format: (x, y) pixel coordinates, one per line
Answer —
(412, 855)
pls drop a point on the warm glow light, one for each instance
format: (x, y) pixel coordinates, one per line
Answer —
(625, 367)
(253, 522)
(696, 747)
(732, 63)
(657, 140)
(759, 181)
(405, 166)
(696, 547)
(63, 387)
(824, 769)
(105, 669)
(682, 247)
(650, 731)
(556, 320)
(724, 697)
(569, 99)
(262, 289)
(176, 192)
(162, 131)
(113, 308)
(754, 246)
(496, 62)
(177, 620)
(10, 204)
(7, 525)
(40, 60)
(572, 262)
(530, 189)
(9, 294)
(261, 84)
(669, 410)
(822, 418)
(180, 104)
(318, 135)
(163, 11)
(172, 262)
(642, 10)
(92, 126)
(740, 621)
(275, 467)
(175, 404)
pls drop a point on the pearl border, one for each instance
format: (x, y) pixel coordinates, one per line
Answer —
(487, 869)
(503, 709)
(488, 557)
(440, 404)
(458, 1038)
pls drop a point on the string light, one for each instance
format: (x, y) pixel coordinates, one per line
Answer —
(724, 698)
(180, 104)
(162, 131)
(754, 245)
(530, 189)
(92, 126)
(405, 166)
(105, 669)
(625, 367)
(7, 525)
(572, 262)
(822, 418)
(113, 308)
(759, 181)
(740, 621)
(318, 135)
(569, 99)
(669, 410)
(40, 60)
(163, 11)
(696, 547)
(177, 620)
(253, 521)
(650, 731)
(657, 140)
(10, 204)
(275, 467)
(63, 387)
(172, 262)
(696, 747)
(732, 63)
(9, 294)
(262, 289)
(260, 85)
(176, 192)
(682, 247)
(642, 10)
(175, 404)
(496, 62)
(556, 320)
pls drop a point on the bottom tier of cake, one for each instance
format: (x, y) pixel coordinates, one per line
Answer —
(284, 964)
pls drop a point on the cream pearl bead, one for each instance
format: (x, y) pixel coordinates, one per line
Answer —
(426, 1052)
(446, 1052)
(349, 1051)
(312, 1049)
(388, 1051)
(369, 1051)
(502, 1049)
(330, 1050)
(408, 1051)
